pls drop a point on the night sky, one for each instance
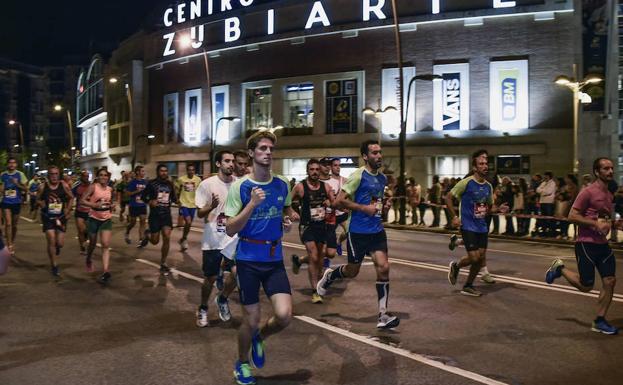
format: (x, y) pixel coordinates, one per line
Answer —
(57, 32)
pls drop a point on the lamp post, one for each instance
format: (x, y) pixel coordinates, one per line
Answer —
(59, 108)
(21, 132)
(134, 142)
(213, 139)
(578, 96)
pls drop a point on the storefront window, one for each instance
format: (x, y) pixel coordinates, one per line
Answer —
(299, 108)
(258, 108)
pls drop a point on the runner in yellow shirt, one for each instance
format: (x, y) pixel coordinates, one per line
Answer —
(186, 186)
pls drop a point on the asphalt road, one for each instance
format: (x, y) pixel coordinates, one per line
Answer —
(141, 328)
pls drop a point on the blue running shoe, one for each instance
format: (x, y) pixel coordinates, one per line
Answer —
(242, 374)
(604, 327)
(258, 356)
(554, 271)
(326, 263)
(338, 249)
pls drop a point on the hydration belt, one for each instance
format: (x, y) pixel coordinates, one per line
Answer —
(273, 244)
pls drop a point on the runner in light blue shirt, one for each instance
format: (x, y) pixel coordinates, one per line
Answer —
(13, 184)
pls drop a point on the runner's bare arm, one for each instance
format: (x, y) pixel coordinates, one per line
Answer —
(84, 200)
(70, 201)
(40, 201)
(344, 201)
(575, 216)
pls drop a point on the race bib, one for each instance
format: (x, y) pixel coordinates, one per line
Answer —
(55, 208)
(379, 208)
(189, 187)
(317, 213)
(10, 193)
(221, 222)
(163, 198)
(139, 199)
(480, 210)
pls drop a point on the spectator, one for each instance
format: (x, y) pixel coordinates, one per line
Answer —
(446, 187)
(547, 198)
(618, 209)
(519, 204)
(434, 198)
(414, 194)
(571, 192)
(495, 182)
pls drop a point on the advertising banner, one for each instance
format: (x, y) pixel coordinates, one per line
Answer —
(220, 109)
(391, 87)
(341, 104)
(171, 119)
(192, 120)
(508, 95)
(451, 97)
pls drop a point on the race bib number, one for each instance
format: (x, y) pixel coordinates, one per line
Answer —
(221, 222)
(163, 198)
(317, 214)
(10, 193)
(139, 199)
(480, 210)
(189, 187)
(55, 208)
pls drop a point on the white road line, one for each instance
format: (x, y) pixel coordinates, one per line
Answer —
(27, 219)
(401, 352)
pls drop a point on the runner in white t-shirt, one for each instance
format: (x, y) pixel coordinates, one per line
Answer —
(210, 199)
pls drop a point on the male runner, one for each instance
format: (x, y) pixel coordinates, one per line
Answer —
(315, 198)
(255, 206)
(82, 212)
(241, 163)
(137, 207)
(186, 187)
(13, 184)
(55, 200)
(210, 199)
(593, 212)
(476, 196)
(122, 198)
(160, 194)
(99, 198)
(363, 196)
(337, 181)
(33, 187)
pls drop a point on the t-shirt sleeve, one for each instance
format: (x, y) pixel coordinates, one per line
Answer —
(233, 205)
(173, 194)
(148, 193)
(458, 190)
(582, 201)
(352, 183)
(22, 178)
(288, 201)
(203, 196)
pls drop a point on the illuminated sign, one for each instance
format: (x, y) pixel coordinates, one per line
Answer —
(224, 23)
(451, 97)
(391, 87)
(508, 94)
(192, 120)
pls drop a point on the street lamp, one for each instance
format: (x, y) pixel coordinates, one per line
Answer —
(213, 139)
(136, 139)
(378, 113)
(578, 97)
(13, 122)
(59, 108)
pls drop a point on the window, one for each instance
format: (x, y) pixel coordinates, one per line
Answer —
(298, 111)
(450, 167)
(258, 108)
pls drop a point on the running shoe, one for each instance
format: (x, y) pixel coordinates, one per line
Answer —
(316, 298)
(452, 244)
(387, 321)
(104, 278)
(324, 283)
(258, 355)
(471, 291)
(223, 308)
(453, 273)
(326, 263)
(338, 249)
(296, 264)
(487, 278)
(127, 239)
(554, 271)
(202, 317)
(604, 327)
(164, 269)
(144, 241)
(89, 265)
(55, 271)
(242, 374)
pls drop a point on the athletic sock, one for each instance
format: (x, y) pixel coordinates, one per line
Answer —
(337, 274)
(382, 290)
(484, 270)
(221, 298)
(203, 307)
(600, 319)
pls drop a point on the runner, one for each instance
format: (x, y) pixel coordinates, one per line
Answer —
(160, 194)
(186, 187)
(82, 212)
(341, 216)
(33, 187)
(55, 200)
(255, 206)
(316, 198)
(13, 184)
(592, 211)
(475, 194)
(122, 198)
(99, 198)
(363, 196)
(241, 163)
(137, 207)
(210, 200)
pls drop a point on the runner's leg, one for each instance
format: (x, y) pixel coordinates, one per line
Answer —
(166, 239)
(282, 315)
(105, 237)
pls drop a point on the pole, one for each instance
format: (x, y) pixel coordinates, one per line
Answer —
(403, 128)
(576, 123)
(71, 137)
(212, 126)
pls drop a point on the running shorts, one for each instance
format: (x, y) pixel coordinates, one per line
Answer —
(158, 221)
(591, 256)
(137, 211)
(94, 226)
(187, 212)
(474, 241)
(271, 276)
(15, 208)
(360, 245)
(313, 233)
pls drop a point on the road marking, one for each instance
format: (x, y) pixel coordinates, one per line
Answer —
(27, 219)
(401, 352)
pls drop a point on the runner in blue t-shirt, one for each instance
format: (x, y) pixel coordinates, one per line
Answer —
(138, 208)
(476, 197)
(255, 208)
(362, 195)
(13, 184)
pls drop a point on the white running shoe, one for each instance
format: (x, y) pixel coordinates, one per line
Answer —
(487, 278)
(387, 321)
(202, 317)
(223, 309)
(324, 283)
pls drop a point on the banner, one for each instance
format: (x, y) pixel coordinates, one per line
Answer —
(451, 97)
(341, 104)
(220, 109)
(192, 120)
(595, 20)
(391, 87)
(170, 119)
(508, 95)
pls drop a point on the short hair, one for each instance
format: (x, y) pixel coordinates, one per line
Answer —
(158, 167)
(312, 161)
(254, 139)
(597, 164)
(103, 169)
(11, 158)
(190, 165)
(478, 154)
(219, 155)
(241, 154)
(138, 168)
(365, 146)
(549, 174)
(52, 167)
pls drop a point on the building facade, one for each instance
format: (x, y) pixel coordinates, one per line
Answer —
(310, 68)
